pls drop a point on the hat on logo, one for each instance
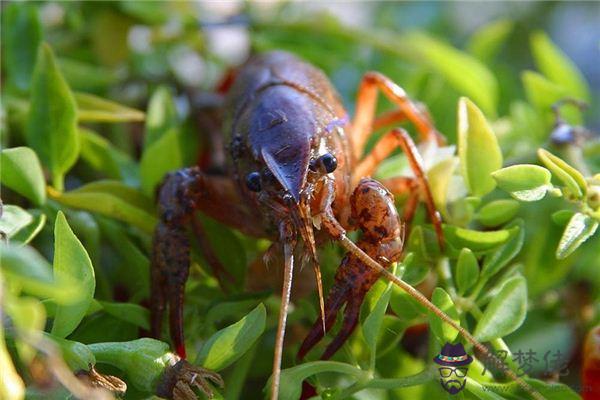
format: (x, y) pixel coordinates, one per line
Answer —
(453, 355)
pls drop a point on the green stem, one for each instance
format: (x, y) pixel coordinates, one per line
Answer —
(389, 383)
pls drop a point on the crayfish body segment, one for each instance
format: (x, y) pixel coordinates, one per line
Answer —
(294, 160)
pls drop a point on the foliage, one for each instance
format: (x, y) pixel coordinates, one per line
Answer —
(81, 162)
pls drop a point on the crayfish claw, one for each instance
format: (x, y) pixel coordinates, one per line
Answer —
(178, 381)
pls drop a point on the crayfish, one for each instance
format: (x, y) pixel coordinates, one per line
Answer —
(298, 174)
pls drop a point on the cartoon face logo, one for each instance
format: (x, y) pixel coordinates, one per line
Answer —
(454, 365)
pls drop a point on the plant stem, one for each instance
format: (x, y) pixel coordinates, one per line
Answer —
(414, 293)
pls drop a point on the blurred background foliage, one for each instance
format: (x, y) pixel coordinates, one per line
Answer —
(105, 106)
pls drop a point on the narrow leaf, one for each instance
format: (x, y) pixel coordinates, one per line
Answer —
(163, 156)
(557, 67)
(227, 345)
(568, 175)
(52, 123)
(372, 324)
(467, 271)
(71, 259)
(478, 149)
(162, 115)
(497, 260)
(487, 41)
(91, 108)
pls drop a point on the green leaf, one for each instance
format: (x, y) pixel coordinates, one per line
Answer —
(372, 324)
(497, 212)
(71, 259)
(486, 42)
(27, 268)
(475, 240)
(87, 77)
(77, 355)
(579, 229)
(557, 67)
(506, 312)
(562, 217)
(91, 108)
(162, 115)
(542, 94)
(113, 199)
(443, 331)
(440, 176)
(501, 257)
(478, 149)
(22, 36)
(28, 315)
(229, 251)
(404, 306)
(29, 232)
(13, 219)
(163, 156)
(290, 386)
(128, 312)
(102, 156)
(467, 271)
(227, 345)
(565, 173)
(52, 123)
(21, 171)
(525, 182)
(468, 75)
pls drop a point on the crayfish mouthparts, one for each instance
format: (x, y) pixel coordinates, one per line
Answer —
(178, 381)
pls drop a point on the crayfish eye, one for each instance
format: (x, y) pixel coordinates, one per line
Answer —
(253, 181)
(329, 162)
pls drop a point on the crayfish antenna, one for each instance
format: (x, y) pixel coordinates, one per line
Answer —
(288, 272)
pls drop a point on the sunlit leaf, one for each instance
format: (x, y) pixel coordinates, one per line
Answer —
(29, 317)
(465, 73)
(506, 312)
(478, 149)
(467, 271)
(564, 172)
(21, 171)
(579, 229)
(11, 384)
(52, 123)
(112, 199)
(524, 182)
(71, 259)
(475, 240)
(439, 180)
(227, 345)
(486, 42)
(557, 67)
(91, 108)
(444, 332)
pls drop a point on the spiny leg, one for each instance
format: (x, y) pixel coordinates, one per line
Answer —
(374, 211)
(383, 148)
(365, 110)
